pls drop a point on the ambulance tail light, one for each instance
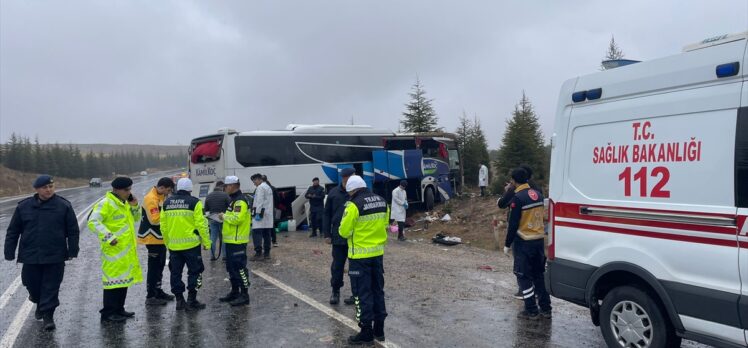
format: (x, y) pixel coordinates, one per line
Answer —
(551, 228)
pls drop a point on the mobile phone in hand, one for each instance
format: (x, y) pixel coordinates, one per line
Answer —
(130, 198)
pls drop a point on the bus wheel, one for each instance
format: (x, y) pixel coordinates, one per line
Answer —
(629, 317)
(429, 199)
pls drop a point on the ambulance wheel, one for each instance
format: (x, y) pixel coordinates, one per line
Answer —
(629, 317)
(429, 199)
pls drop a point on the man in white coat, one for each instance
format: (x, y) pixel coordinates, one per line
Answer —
(483, 179)
(399, 206)
(262, 216)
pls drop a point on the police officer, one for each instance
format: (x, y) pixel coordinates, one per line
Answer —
(149, 234)
(334, 208)
(364, 225)
(184, 228)
(235, 233)
(48, 230)
(526, 222)
(316, 196)
(113, 220)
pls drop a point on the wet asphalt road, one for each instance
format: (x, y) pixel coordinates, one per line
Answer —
(436, 297)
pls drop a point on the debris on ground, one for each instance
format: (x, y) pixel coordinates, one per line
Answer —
(446, 240)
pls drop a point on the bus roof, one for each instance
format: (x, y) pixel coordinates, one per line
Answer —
(323, 129)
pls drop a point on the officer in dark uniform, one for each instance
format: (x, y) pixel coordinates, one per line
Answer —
(525, 235)
(334, 208)
(48, 229)
(316, 196)
(364, 225)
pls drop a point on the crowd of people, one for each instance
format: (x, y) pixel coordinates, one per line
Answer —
(351, 218)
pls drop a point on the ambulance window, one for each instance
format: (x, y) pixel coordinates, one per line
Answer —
(741, 159)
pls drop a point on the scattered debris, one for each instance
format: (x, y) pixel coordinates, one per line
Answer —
(446, 217)
(446, 240)
(485, 268)
(316, 252)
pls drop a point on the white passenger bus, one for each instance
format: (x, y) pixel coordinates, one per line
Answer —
(290, 158)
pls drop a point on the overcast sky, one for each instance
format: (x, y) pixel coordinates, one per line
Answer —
(163, 72)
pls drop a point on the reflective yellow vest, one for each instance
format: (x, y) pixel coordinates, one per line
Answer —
(113, 218)
(183, 225)
(236, 221)
(364, 225)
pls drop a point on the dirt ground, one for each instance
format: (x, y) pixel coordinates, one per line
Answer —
(13, 182)
(476, 220)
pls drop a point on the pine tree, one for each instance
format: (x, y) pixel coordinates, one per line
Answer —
(522, 143)
(613, 53)
(420, 115)
(38, 156)
(473, 146)
(12, 158)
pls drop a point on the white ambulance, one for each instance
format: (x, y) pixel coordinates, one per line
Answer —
(649, 198)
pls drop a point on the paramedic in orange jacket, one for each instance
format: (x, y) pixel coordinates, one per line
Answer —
(149, 234)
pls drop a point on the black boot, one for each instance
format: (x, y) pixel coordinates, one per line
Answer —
(349, 300)
(365, 336)
(242, 299)
(126, 314)
(160, 294)
(231, 295)
(181, 304)
(49, 322)
(379, 330)
(335, 298)
(192, 302)
(37, 314)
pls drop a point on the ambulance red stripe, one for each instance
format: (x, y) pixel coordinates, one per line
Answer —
(668, 236)
(572, 210)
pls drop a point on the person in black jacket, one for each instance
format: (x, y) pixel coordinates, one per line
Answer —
(216, 203)
(333, 213)
(316, 196)
(48, 230)
(503, 203)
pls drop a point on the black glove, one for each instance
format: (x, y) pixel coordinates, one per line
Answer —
(262, 213)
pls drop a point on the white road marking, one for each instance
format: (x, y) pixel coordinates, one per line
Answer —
(9, 292)
(322, 308)
(9, 337)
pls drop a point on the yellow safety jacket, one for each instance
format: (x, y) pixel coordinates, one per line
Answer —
(183, 224)
(237, 222)
(113, 218)
(364, 225)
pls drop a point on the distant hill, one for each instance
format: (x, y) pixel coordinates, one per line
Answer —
(133, 148)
